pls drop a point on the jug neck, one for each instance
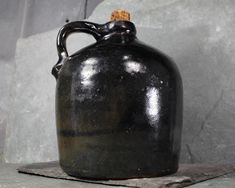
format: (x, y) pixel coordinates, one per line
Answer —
(118, 31)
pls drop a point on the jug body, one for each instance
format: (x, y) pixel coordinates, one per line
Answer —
(118, 110)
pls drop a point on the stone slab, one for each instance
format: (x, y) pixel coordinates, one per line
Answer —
(187, 174)
(10, 178)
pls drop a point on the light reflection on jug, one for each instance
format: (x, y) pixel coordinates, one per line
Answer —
(134, 67)
(153, 105)
(88, 69)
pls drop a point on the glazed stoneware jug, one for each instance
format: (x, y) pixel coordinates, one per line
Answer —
(118, 105)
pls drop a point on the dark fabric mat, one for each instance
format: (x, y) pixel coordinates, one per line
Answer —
(187, 174)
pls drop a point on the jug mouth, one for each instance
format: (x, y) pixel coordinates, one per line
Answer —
(117, 27)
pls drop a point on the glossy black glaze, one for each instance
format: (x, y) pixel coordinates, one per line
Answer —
(118, 105)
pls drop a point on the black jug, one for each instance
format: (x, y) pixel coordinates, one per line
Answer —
(118, 105)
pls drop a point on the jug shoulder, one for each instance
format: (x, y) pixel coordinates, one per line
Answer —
(134, 58)
(135, 50)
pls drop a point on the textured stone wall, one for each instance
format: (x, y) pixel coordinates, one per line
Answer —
(21, 19)
(197, 34)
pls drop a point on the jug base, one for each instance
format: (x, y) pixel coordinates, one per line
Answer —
(93, 176)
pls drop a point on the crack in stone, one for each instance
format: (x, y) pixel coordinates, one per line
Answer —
(191, 156)
(208, 115)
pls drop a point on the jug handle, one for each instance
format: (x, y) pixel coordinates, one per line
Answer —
(65, 31)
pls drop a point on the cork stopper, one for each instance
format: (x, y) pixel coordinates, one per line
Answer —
(120, 15)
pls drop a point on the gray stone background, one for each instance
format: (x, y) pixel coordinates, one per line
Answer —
(20, 19)
(197, 34)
